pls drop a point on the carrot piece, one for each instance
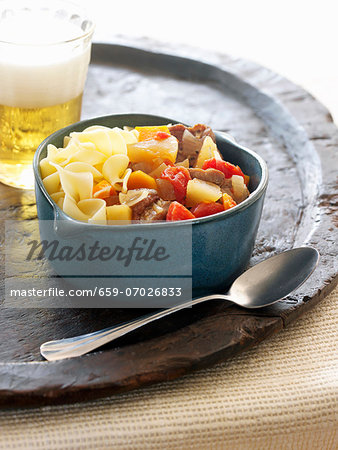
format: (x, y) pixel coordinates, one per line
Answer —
(103, 189)
(146, 133)
(228, 201)
(139, 179)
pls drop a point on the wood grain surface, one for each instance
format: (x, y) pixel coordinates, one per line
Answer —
(263, 111)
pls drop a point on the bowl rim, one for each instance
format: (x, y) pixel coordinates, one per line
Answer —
(59, 214)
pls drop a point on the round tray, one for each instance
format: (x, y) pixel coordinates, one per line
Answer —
(263, 111)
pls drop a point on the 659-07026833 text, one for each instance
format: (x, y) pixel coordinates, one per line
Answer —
(99, 291)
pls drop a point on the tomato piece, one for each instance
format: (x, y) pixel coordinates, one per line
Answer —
(227, 168)
(206, 209)
(168, 162)
(178, 177)
(177, 211)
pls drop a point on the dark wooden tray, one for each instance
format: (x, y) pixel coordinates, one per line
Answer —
(283, 123)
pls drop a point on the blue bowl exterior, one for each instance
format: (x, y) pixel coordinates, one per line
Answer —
(44, 208)
(222, 244)
(222, 248)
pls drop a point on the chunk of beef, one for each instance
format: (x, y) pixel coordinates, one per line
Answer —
(146, 167)
(139, 207)
(156, 211)
(201, 131)
(112, 200)
(165, 189)
(226, 187)
(211, 175)
(177, 131)
(190, 140)
(191, 147)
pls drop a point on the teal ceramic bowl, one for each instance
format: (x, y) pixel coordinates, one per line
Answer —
(218, 247)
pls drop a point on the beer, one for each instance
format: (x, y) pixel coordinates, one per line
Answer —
(21, 132)
(44, 58)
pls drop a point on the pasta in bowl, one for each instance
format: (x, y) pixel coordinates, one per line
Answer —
(142, 174)
(96, 173)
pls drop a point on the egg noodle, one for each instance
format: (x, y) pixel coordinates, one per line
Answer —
(88, 157)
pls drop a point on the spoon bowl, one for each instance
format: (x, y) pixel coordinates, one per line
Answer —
(261, 285)
(271, 280)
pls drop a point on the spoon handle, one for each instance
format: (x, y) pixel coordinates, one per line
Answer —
(80, 345)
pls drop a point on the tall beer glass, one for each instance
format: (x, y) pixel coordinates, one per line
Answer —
(44, 57)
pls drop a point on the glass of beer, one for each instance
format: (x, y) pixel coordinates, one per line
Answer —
(44, 56)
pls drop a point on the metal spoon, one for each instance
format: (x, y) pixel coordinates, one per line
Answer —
(261, 285)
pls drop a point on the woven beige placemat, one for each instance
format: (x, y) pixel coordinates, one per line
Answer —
(279, 395)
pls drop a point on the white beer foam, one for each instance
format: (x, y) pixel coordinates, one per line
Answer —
(43, 69)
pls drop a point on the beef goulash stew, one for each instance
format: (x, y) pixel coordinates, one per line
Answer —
(142, 174)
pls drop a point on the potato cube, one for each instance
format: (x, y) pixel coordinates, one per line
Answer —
(156, 173)
(239, 188)
(184, 163)
(151, 149)
(121, 213)
(202, 191)
(209, 150)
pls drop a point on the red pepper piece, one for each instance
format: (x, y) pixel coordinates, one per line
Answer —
(177, 211)
(227, 168)
(178, 177)
(206, 209)
(160, 135)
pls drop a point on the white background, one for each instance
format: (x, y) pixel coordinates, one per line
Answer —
(296, 38)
